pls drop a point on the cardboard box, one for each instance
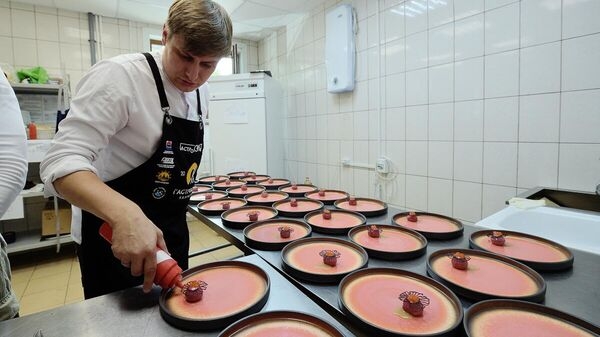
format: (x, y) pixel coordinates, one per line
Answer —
(49, 222)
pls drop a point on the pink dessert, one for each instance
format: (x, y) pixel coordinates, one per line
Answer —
(327, 214)
(330, 256)
(242, 214)
(296, 205)
(293, 202)
(412, 217)
(337, 220)
(193, 290)
(459, 260)
(428, 223)
(497, 238)
(253, 215)
(285, 231)
(360, 205)
(374, 231)
(217, 204)
(414, 302)
(270, 232)
(305, 257)
(524, 248)
(392, 240)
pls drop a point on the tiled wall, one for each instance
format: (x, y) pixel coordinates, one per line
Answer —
(473, 101)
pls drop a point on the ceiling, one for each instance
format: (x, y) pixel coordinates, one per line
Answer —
(252, 19)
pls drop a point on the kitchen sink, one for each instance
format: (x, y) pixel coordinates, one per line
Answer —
(575, 229)
(564, 198)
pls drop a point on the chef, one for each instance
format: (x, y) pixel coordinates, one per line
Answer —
(129, 148)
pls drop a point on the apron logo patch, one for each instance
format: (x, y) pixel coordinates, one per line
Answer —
(191, 173)
(159, 192)
(191, 148)
(182, 193)
(168, 147)
(163, 176)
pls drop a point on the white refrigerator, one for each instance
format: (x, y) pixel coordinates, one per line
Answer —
(245, 125)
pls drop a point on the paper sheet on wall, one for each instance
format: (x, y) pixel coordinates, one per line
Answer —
(235, 114)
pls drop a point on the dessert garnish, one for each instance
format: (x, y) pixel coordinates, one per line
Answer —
(374, 231)
(326, 214)
(193, 290)
(226, 204)
(498, 238)
(227, 182)
(330, 256)
(264, 194)
(270, 180)
(321, 192)
(208, 196)
(244, 187)
(412, 217)
(459, 260)
(413, 302)
(285, 231)
(253, 215)
(293, 202)
(352, 201)
(294, 186)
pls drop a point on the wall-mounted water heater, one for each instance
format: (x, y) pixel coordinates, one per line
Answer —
(339, 49)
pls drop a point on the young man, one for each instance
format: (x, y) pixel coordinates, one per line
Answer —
(128, 150)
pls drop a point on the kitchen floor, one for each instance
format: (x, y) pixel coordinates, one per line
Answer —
(45, 279)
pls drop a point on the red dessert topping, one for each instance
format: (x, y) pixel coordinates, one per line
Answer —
(270, 181)
(374, 231)
(293, 202)
(294, 187)
(497, 238)
(226, 204)
(321, 193)
(285, 231)
(244, 187)
(208, 196)
(253, 215)
(327, 214)
(412, 217)
(413, 302)
(330, 256)
(227, 182)
(264, 194)
(459, 260)
(352, 201)
(193, 290)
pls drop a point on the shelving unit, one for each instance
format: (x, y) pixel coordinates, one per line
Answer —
(28, 227)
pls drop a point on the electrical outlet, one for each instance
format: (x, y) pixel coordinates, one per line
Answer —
(383, 165)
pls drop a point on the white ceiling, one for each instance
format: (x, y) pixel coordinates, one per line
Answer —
(252, 19)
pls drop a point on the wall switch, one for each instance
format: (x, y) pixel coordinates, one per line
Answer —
(383, 165)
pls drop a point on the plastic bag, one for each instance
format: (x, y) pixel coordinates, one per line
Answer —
(33, 75)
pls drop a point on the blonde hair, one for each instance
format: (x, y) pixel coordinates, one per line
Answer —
(204, 25)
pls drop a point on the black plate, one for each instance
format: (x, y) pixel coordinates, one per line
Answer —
(204, 207)
(236, 192)
(399, 254)
(240, 174)
(297, 194)
(342, 204)
(198, 197)
(254, 242)
(314, 277)
(192, 324)
(222, 186)
(525, 307)
(476, 295)
(434, 235)
(275, 185)
(537, 265)
(333, 230)
(255, 179)
(377, 330)
(297, 214)
(315, 196)
(285, 318)
(257, 201)
(242, 224)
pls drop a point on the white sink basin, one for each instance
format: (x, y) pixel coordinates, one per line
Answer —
(573, 229)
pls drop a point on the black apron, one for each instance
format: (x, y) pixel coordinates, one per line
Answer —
(161, 187)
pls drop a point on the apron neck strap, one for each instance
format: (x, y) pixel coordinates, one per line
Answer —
(164, 104)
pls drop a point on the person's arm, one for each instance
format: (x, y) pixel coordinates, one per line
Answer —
(135, 237)
(13, 146)
(98, 112)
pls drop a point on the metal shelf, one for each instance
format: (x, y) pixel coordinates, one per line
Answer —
(31, 240)
(43, 89)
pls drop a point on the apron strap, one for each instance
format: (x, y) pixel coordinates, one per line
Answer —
(164, 104)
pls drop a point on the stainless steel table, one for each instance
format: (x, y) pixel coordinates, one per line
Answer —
(575, 291)
(132, 313)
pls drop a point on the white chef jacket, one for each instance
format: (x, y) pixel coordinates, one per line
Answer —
(114, 123)
(13, 146)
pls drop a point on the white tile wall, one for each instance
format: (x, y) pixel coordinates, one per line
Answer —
(479, 99)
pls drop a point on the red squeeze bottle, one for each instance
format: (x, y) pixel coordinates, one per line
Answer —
(168, 272)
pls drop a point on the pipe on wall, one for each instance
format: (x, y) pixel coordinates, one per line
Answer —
(92, 39)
